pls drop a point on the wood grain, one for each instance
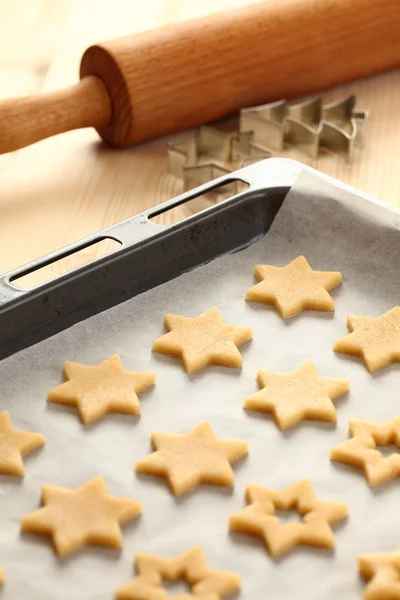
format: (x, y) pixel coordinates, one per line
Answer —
(64, 188)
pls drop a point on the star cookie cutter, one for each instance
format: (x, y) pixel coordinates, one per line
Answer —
(225, 153)
(264, 130)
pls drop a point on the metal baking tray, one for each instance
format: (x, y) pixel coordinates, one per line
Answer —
(205, 260)
(149, 255)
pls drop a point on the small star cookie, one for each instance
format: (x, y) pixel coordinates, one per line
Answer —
(101, 389)
(2, 577)
(383, 573)
(292, 397)
(206, 583)
(360, 451)
(192, 458)
(87, 515)
(294, 288)
(203, 340)
(377, 340)
(314, 530)
(14, 444)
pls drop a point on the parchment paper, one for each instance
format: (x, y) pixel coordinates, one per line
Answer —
(336, 231)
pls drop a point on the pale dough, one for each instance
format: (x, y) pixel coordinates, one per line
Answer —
(294, 288)
(292, 397)
(383, 573)
(193, 458)
(97, 390)
(14, 444)
(87, 515)
(206, 583)
(203, 340)
(360, 451)
(377, 340)
(314, 530)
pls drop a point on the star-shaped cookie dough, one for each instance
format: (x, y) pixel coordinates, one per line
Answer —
(292, 397)
(294, 288)
(383, 573)
(206, 583)
(203, 340)
(192, 458)
(377, 340)
(360, 451)
(14, 444)
(101, 389)
(87, 515)
(259, 519)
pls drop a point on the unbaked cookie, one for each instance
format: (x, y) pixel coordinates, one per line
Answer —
(361, 451)
(101, 389)
(377, 340)
(14, 444)
(203, 340)
(314, 530)
(292, 397)
(87, 515)
(192, 458)
(294, 288)
(383, 573)
(206, 583)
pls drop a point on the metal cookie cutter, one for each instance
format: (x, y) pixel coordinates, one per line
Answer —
(265, 130)
(309, 125)
(211, 153)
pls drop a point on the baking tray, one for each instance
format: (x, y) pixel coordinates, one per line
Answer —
(301, 212)
(149, 255)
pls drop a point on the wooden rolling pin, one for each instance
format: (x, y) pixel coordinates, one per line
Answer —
(182, 75)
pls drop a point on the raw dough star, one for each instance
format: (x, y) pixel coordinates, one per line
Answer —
(295, 396)
(376, 340)
(383, 573)
(14, 444)
(87, 515)
(203, 340)
(294, 288)
(207, 584)
(361, 450)
(193, 458)
(258, 518)
(96, 391)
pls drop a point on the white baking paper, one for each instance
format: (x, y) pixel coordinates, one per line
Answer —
(335, 230)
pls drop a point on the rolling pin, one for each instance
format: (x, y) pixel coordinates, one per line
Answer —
(158, 82)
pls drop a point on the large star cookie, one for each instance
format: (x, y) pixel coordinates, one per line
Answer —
(193, 458)
(361, 451)
(292, 397)
(14, 444)
(2, 577)
(203, 340)
(317, 515)
(383, 573)
(87, 515)
(101, 389)
(376, 340)
(294, 288)
(206, 583)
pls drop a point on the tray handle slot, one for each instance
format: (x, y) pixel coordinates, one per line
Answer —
(69, 259)
(204, 197)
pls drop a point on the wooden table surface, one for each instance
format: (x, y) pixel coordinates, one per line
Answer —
(64, 188)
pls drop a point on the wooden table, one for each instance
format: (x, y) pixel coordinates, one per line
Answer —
(64, 188)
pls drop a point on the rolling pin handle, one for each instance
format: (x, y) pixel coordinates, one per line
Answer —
(24, 121)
